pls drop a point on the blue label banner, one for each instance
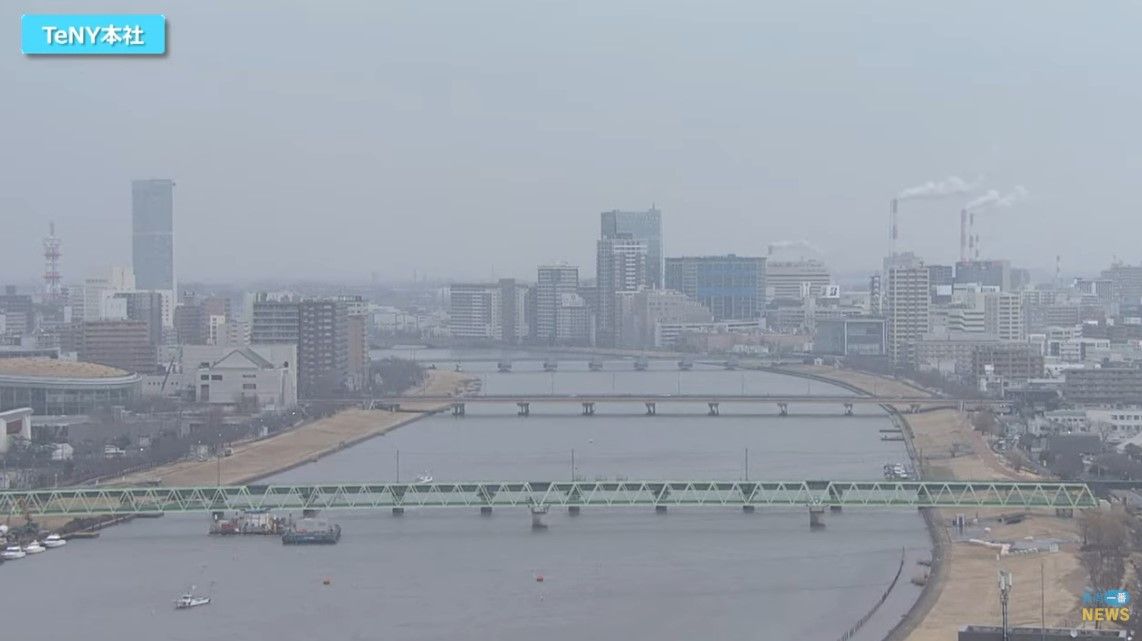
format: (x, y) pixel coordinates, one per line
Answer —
(106, 34)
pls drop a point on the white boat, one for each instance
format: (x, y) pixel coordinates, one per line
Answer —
(34, 548)
(190, 600)
(54, 541)
(424, 478)
(12, 552)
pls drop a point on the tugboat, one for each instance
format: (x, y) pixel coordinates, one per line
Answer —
(641, 364)
(685, 365)
(310, 531)
(189, 600)
(550, 365)
(595, 365)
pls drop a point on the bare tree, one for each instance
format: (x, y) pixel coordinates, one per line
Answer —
(1106, 543)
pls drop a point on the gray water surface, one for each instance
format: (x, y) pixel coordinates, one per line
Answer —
(451, 574)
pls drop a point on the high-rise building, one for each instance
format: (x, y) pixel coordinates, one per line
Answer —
(795, 280)
(1003, 315)
(323, 347)
(874, 295)
(489, 311)
(275, 321)
(906, 301)
(1127, 282)
(639, 225)
(146, 307)
(18, 307)
(732, 287)
(941, 278)
(474, 311)
(513, 311)
(988, 273)
(642, 311)
(620, 267)
(573, 322)
(553, 282)
(152, 247)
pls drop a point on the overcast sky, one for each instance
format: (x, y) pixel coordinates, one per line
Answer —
(455, 138)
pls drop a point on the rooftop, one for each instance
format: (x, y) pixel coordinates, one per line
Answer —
(55, 368)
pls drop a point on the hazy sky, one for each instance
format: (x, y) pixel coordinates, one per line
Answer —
(333, 139)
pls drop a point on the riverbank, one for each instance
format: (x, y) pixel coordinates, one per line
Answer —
(963, 588)
(258, 459)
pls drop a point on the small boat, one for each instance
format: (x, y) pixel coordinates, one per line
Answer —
(459, 368)
(641, 364)
(550, 365)
(34, 548)
(685, 365)
(12, 552)
(424, 478)
(190, 600)
(504, 366)
(54, 541)
(595, 365)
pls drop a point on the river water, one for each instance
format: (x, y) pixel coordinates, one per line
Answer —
(452, 574)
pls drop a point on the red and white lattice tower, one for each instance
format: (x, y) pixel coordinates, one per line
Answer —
(52, 287)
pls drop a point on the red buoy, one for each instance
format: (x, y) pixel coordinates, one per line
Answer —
(539, 578)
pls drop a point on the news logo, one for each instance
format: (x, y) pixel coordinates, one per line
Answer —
(1110, 605)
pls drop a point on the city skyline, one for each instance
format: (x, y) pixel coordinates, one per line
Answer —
(436, 160)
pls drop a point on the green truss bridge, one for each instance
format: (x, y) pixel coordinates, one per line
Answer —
(540, 495)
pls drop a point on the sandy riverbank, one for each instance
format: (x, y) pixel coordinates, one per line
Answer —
(258, 459)
(967, 589)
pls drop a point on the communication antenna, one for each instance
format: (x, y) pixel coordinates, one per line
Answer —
(1005, 584)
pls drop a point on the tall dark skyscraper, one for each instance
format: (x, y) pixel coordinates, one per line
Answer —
(639, 225)
(152, 246)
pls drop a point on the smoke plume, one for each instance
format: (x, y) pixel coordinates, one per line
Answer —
(993, 199)
(950, 186)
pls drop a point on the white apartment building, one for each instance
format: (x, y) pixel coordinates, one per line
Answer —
(906, 309)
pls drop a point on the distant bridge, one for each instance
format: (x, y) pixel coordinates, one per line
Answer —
(540, 495)
(588, 402)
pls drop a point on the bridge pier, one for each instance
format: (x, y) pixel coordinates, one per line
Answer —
(524, 408)
(537, 513)
(714, 411)
(651, 409)
(573, 510)
(458, 409)
(1064, 512)
(398, 511)
(783, 409)
(660, 509)
(816, 517)
(848, 409)
(588, 409)
(485, 510)
(747, 509)
(837, 495)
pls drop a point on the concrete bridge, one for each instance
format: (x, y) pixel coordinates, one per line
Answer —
(589, 402)
(538, 496)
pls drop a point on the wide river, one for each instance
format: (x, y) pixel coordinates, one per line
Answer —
(623, 574)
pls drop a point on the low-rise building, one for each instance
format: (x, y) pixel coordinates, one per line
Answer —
(860, 336)
(1121, 385)
(1012, 361)
(245, 375)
